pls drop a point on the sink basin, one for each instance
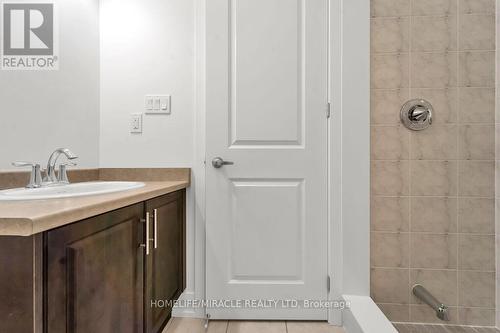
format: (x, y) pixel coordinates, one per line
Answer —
(67, 191)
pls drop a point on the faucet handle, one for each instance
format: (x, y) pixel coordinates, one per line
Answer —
(62, 177)
(23, 164)
(36, 173)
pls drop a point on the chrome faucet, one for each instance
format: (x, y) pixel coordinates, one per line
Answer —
(62, 176)
(424, 295)
(50, 176)
(35, 175)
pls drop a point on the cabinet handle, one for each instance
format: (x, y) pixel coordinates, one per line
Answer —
(155, 221)
(146, 245)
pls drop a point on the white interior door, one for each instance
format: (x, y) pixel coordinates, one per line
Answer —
(266, 112)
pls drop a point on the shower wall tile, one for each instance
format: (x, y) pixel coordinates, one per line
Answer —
(433, 251)
(389, 249)
(476, 252)
(476, 289)
(383, 104)
(390, 178)
(424, 314)
(396, 312)
(476, 6)
(477, 32)
(477, 142)
(433, 178)
(390, 35)
(390, 143)
(434, 70)
(441, 283)
(476, 179)
(434, 7)
(477, 69)
(390, 71)
(444, 100)
(380, 8)
(477, 105)
(497, 143)
(476, 215)
(434, 189)
(436, 143)
(476, 316)
(429, 33)
(434, 214)
(390, 285)
(390, 214)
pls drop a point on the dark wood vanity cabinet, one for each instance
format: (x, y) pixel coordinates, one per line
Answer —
(165, 263)
(95, 272)
(94, 276)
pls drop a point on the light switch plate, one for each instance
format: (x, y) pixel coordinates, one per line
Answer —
(136, 123)
(158, 104)
(148, 103)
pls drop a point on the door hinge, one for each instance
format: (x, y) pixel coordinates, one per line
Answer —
(328, 283)
(328, 110)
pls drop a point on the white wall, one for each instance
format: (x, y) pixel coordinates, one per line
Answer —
(147, 47)
(41, 111)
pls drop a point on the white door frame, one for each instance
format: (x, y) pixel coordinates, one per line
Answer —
(349, 139)
(349, 183)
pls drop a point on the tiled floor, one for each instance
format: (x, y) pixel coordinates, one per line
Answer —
(415, 328)
(189, 325)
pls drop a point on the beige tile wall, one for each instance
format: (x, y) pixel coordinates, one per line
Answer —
(433, 192)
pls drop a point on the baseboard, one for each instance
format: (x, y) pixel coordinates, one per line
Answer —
(364, 316)
(187, 312)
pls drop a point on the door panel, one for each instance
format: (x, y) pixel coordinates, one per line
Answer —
(266, 72)
(266, 103)
(278, 220)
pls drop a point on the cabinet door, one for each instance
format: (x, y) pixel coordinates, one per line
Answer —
(165, 263)
(95, 274)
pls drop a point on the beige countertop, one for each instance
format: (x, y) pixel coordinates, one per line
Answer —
(26, 218)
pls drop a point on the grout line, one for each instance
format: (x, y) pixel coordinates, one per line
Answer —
(435, 269)
(387, 195)
(410, 147)
(435, 160)
(422, 304)
(457, 109)
(446, 327)
(433, 233)
(435, 15)
(378, 125)
(433, 88)
(444, 51)
(432, 196)
(286, 326)
(496, 211)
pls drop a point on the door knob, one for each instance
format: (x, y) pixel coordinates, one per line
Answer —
(219, 163)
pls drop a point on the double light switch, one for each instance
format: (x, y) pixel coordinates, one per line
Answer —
(158, 104)
(154, 104)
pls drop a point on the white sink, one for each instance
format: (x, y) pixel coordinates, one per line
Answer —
(67, 191)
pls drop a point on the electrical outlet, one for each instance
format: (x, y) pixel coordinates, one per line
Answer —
(136, 123)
